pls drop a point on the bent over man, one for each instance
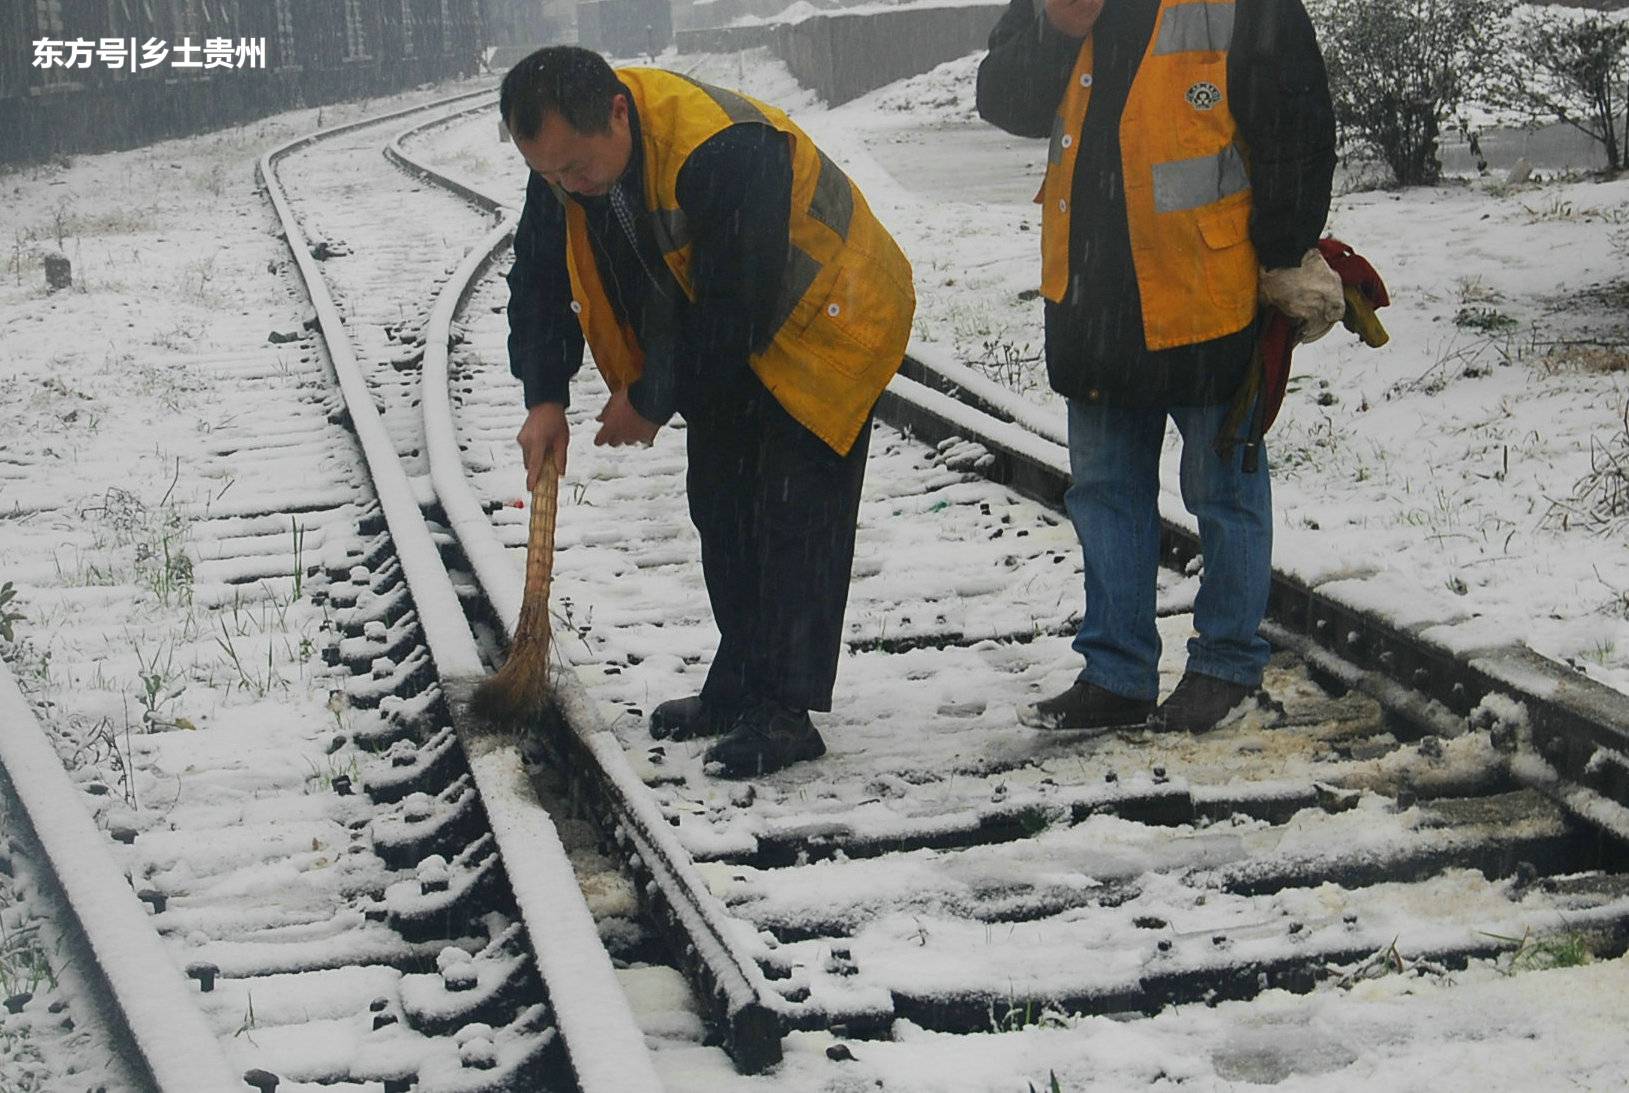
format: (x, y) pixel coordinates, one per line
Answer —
(718, 265)
(1192, 149)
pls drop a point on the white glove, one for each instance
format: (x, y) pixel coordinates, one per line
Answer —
(1309, 295)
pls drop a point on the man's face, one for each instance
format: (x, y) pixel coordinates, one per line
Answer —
(582, 163)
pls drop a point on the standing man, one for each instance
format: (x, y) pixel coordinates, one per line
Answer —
(718, 265)
(1189, 171)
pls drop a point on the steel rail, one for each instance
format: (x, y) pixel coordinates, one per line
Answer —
(746, 1012)
(604, 1045)
(1416, 671)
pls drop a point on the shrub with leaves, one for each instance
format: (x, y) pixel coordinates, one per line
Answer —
(1573, 69)
(1398, 71)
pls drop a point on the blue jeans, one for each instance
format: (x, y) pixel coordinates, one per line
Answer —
(1114, 455)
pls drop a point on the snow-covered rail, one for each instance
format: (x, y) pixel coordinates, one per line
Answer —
(601, 1043)
(743, 1010)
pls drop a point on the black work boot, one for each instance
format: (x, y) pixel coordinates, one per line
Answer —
(1085, 706)
(684, 718)
(1201, 702)
(766, 738)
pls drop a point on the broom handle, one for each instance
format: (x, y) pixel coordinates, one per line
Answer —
(540, 534)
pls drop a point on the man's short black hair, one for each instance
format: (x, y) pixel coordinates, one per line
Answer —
(574, 82)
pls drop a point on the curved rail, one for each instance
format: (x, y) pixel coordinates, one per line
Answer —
(605, 1047)
(748, 1013)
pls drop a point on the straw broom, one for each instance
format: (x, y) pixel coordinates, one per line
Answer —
(518, 694)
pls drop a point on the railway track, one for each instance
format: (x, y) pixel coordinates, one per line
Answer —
(336, 891)
(1391, 770)
(940, 865)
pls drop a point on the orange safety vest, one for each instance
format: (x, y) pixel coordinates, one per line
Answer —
(843, 313)
(1186, 177)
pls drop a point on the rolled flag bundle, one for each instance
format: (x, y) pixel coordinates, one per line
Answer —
(1262, 392)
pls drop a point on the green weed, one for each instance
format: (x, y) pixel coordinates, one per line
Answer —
(1533, 954)
(1489, 320)
(322, 778)
(158, 687)
(9, 616)
(1033, 821)
(24, 964)
(299, 555)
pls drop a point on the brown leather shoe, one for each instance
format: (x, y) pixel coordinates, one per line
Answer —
(1200, 703)
(1085, 706)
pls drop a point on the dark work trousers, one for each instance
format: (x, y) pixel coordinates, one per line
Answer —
(776, 509)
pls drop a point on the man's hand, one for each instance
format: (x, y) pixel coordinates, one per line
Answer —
(1073, 18)
(545, 431)
(621, 424)
(1309, 294)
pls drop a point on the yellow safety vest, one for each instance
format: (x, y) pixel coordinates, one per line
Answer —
(1187, 185)
(843, 313)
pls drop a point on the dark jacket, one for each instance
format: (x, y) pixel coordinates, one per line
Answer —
(736, 192)
(1279, 95)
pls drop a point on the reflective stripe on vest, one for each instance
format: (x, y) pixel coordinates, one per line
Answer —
(1193, 28)
(1188, 215)
(842, 312)
(1189, 183)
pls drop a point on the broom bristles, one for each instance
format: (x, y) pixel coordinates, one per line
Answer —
(519, 692)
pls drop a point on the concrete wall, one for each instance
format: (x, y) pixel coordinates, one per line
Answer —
(842, 55)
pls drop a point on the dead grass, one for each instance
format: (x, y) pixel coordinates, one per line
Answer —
(110, 222)
(1585, 358)
(1600, 499)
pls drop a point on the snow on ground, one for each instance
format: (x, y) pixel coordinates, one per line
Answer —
(1482, 1029)
(1487, 1032)
(49, 1045)
(1428, 472)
